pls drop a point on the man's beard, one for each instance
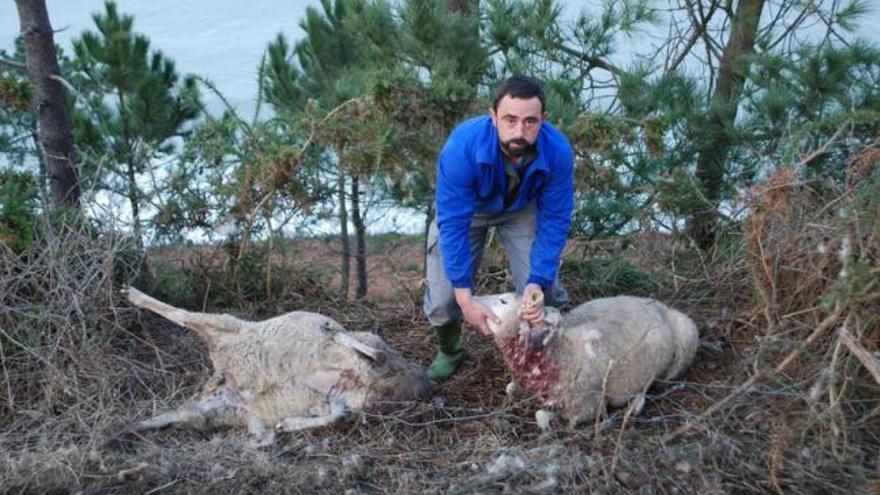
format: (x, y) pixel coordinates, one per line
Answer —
(519, 150)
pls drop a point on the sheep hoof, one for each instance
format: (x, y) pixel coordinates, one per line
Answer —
(510, 389)
(266, 439)
(543, 418)
(296, 423)
(260, 435)
(637, 404)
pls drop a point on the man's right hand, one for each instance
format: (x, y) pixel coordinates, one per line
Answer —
(475, 312)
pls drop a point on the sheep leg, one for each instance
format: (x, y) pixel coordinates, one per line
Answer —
(373, 353)
(221, 398)
(297, 423)
(261, 436)
(205, 324)
(183, 415)
(192, 413)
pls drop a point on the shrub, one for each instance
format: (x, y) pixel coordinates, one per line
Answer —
(18, 205)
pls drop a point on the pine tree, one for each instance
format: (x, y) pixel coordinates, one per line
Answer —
(19, 139)
(715, 142)
(328, 72)
(137, 105)
(427, 63)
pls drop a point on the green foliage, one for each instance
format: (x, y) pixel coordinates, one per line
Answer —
(604, 277)
(282, 88)
(328, 55)
(384, 82)
(858, 235)
(236, 174)
(378, 87)
(328, 61)
(421, 90)
(217, 280)
(18, 209)
(150, 105)
(616, 167)
(17, 119)
(801, 100)
(640, 151)
(447, 45)
(16, 93)
(326, 66)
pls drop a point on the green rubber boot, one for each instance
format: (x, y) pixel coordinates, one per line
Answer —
(449, 352)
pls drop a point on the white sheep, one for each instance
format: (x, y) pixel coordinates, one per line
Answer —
(295, 371)
(607, 349)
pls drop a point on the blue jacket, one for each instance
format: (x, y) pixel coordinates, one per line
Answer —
(471, 179)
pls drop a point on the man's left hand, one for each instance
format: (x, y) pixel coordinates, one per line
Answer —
(532, 313)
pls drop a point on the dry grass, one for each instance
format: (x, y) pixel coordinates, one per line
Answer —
(78, 366)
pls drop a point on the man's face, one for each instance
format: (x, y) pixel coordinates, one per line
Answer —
(518, 121)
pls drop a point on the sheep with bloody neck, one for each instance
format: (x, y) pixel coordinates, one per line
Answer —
(604, 351)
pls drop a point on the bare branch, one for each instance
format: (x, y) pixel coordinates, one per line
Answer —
(746, 385)
(12, 64)
(791, 28)
(864, 356)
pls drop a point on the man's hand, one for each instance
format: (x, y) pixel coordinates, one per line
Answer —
(532, 308)
(475, 312)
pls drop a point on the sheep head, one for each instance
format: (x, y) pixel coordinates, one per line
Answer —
(528, 349)
(508, 308)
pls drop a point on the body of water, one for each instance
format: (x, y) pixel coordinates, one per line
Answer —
(222, 40)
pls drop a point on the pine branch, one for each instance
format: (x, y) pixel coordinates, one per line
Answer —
(700, 31)
(12, 64)
(592, 61)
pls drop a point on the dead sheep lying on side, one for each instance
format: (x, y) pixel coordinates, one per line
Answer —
(295, 371)
(607, 349)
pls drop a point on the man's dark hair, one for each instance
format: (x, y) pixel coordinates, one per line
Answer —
(523, 87)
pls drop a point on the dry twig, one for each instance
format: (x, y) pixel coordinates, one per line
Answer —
(819, 331)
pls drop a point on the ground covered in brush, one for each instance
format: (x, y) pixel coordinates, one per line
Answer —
(778, 400)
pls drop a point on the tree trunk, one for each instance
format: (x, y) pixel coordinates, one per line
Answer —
(360, 238)
(55, 129)
(343, 222)
(466, 7)
(41, 163)
(134, 199)
(269, 250)
(429, 217)
(718, 137)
